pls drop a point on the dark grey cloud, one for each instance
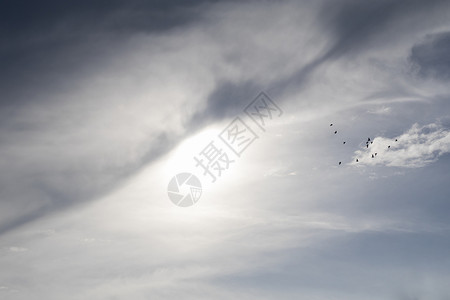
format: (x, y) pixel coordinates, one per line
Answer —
(353, 26)
(48, 191)
(46, 48)
(227, 100)
(47, 40)
(25, 19)
(431, 58)
(355, 23)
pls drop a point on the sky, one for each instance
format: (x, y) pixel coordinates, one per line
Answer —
(103, 103)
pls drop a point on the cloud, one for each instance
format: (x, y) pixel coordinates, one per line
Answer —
(226, 100)
(80, 118)
(94, 93)
(49, 44)
(95, 121)
(418, 147)
(15, 249)
(382, 110)
(353, 27)
(431, 57)
(24, 20)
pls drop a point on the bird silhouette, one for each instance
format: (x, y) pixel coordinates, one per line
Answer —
(357, 160)
(344, 143)
(368, 139)
(340, 163)
(373, 156)
(395, 139)
(331, 124)
(376, 154)
(335, 132)
(367, 145)
(389, 146)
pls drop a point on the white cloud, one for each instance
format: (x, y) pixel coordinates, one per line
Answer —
(17, 249)
(382, 110)
(418, 147)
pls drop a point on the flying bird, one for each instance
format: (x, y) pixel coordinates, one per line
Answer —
(340, 163)
(331, 124)
(367, 145)
(373, 156)
(395, 139)
(344, 143)
(368, 139)
(335, 132)
(389, 146)
(357, 160)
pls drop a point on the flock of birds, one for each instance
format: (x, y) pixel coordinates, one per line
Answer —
(368, 142)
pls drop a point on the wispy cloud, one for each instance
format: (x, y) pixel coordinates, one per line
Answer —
(382, 110)
(96, 96)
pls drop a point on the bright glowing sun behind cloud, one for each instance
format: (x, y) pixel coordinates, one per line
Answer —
(182, 157)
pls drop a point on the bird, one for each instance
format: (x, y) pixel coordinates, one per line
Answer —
(389, 146)
(335, 132)
(344, 143)
(371, 142)
(331, 124)
(376, 154)
(395, 139)
(373, 156)
(357, 160)
(340, 163)
(367, 145)
(368, 139)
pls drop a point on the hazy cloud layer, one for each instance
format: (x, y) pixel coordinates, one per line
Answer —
(102, 103)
